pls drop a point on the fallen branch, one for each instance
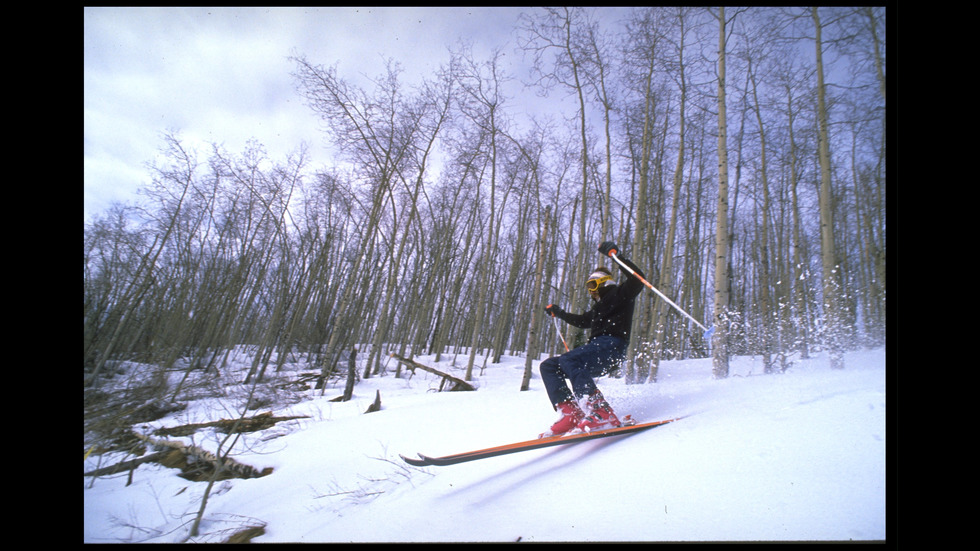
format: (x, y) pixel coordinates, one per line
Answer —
(259, 422)
(127, 465)
(197, 463)
(458, 384)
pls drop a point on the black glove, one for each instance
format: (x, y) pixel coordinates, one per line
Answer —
(551, 309)
(608, 248)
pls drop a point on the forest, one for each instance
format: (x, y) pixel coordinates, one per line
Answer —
(737, 155)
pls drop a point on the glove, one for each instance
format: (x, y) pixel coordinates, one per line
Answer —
(608, 248)
(551, 309)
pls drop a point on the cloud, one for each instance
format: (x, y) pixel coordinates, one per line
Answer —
(223, 74)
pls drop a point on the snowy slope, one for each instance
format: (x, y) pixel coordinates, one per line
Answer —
(795, 456)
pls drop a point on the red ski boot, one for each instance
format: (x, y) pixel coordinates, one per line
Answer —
(571, 415)
(600, 416)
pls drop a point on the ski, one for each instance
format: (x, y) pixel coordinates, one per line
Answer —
(538, 443)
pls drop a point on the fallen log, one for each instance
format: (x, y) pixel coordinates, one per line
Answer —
(259, 422)
(458, 384)
(126, 465)
(198, 464)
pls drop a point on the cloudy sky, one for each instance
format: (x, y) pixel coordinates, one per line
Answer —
(222, 75)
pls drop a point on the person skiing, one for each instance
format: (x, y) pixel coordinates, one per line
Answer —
(609, 322)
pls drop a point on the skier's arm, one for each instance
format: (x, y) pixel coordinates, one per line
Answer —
(582, 321)
(632, 285)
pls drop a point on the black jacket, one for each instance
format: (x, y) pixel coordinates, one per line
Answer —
(612, 315)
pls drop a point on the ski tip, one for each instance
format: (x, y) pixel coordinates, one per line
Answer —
(422, 462)
(708, 332)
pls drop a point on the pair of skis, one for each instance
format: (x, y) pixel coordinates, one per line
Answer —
(628, 428)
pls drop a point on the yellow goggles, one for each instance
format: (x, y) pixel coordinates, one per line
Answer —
(594, 283)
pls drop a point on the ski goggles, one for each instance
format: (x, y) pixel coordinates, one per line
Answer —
(594, 283)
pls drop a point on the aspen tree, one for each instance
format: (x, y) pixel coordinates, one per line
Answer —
(832, 300)
(720, 353)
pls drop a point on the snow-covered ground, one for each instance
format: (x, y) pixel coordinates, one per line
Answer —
(795, 456)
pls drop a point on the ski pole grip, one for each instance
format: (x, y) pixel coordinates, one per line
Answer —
(608, 248)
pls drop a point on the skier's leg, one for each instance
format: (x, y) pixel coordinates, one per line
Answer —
(561, 398)
(609, 352)
(592, 360)
(576, 368)
(554, 381)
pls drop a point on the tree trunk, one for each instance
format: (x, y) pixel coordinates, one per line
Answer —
(833, 313)
(537, 313)
(720, 341)
(765, 306)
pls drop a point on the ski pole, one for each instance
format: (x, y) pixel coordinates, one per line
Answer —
(560, 336)
(707, 331)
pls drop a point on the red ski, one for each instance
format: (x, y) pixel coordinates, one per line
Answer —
(426, 461)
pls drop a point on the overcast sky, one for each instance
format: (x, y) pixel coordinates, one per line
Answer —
(222, 75)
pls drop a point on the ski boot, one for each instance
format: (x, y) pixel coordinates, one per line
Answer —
(571, 415)
(600, 416)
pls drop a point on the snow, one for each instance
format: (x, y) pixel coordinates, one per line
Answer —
(796, 456)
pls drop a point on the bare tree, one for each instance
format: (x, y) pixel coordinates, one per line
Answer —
(720, 354)
(532, 344)
(378, 135)
(665, 283)
(176, 180)
(643, 47)
(764, 305)
(559, 31)
(831, 269)
(481, 101)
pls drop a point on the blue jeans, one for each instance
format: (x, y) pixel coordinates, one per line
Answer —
(580, 366)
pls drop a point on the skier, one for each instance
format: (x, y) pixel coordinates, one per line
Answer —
(609, 321)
